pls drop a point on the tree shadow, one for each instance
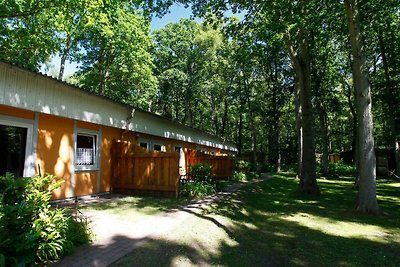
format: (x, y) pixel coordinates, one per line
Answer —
(262, 233)
(146, 204)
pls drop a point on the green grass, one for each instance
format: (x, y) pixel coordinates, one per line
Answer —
(135, 208)
(269, 223)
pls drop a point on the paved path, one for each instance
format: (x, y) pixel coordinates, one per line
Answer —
(116, 238)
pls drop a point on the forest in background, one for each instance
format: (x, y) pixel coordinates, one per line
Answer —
(291, 79)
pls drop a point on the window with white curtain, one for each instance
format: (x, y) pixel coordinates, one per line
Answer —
(86, 154)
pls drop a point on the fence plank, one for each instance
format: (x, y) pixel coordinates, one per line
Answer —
(222, 166)
(135, 168)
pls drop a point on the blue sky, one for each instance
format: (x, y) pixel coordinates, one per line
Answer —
(176, 13)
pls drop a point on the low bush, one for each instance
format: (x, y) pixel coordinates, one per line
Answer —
(341, 168)
(200, 172)
(198, 189)
(201, 183)
(266, 167)
(239, 176)
(242, 165)
(31, 231)
(252, 175)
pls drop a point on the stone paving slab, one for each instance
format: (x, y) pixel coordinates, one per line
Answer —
(116, 238)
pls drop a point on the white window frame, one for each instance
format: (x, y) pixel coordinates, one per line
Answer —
(30, 156)
(96, 165)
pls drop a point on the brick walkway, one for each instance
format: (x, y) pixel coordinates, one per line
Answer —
(115, 237)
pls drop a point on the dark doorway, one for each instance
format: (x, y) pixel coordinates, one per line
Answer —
(12, 150)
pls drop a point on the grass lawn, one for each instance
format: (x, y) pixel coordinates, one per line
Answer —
(270, 224)
(134, 208)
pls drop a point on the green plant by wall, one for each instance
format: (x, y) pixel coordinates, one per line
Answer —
(31, 231)
(242, 165)
(198, 189)
(201, 183)
(239, 176)
(201, 172)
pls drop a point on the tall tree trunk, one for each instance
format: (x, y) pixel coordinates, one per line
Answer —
(225, 117)
(64, 57)
(299, 130)
(397, 157)
(252, 125)
(302, 65)
(323, 119)
(366, 199)
(355, 142)
(389, 92)
(240, 133)
(274, 132)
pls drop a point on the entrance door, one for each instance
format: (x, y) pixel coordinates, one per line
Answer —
(13, 142)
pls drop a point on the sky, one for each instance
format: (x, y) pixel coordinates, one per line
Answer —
(177, 12)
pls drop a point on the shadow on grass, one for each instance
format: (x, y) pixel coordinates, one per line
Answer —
(263, 230)
(141, 204)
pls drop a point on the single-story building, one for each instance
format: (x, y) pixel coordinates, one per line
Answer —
(49, 126)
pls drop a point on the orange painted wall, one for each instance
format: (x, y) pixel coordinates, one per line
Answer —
(85, 183)
(54, 150)
(16, 112)
(88, 125)
(55, 146)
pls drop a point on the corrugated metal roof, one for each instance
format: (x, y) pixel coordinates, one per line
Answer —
(110, 99)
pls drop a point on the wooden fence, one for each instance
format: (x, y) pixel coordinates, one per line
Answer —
(135, 169)
(222, 165)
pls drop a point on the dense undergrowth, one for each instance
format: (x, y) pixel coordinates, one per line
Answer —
(31, 230)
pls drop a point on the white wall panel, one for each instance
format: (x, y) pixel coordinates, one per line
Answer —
(27, 90)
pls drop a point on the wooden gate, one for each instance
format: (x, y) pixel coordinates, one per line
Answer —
(222, 165)
(135, 169)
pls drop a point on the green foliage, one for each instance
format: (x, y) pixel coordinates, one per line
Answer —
(242, 165)
(117, 62)
(239, 176)
(266, 167)
(30, 229)
(201, 172)
(201, 183)
(2, 260)
(198, 189)
(340, 168)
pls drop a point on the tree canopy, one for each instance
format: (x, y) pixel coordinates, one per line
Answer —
(288, 81)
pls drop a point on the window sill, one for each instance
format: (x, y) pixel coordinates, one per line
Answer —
(86, 169)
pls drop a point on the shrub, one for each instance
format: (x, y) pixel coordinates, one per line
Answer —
(252, 175)
(242, 165)
(239, 176)
(341, 168)
(244, 176)
(198, 189)
(31, 231)
(202, 183)
(267, 167)
(200, 172)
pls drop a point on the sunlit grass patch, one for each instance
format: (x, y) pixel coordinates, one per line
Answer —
(339, 228)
